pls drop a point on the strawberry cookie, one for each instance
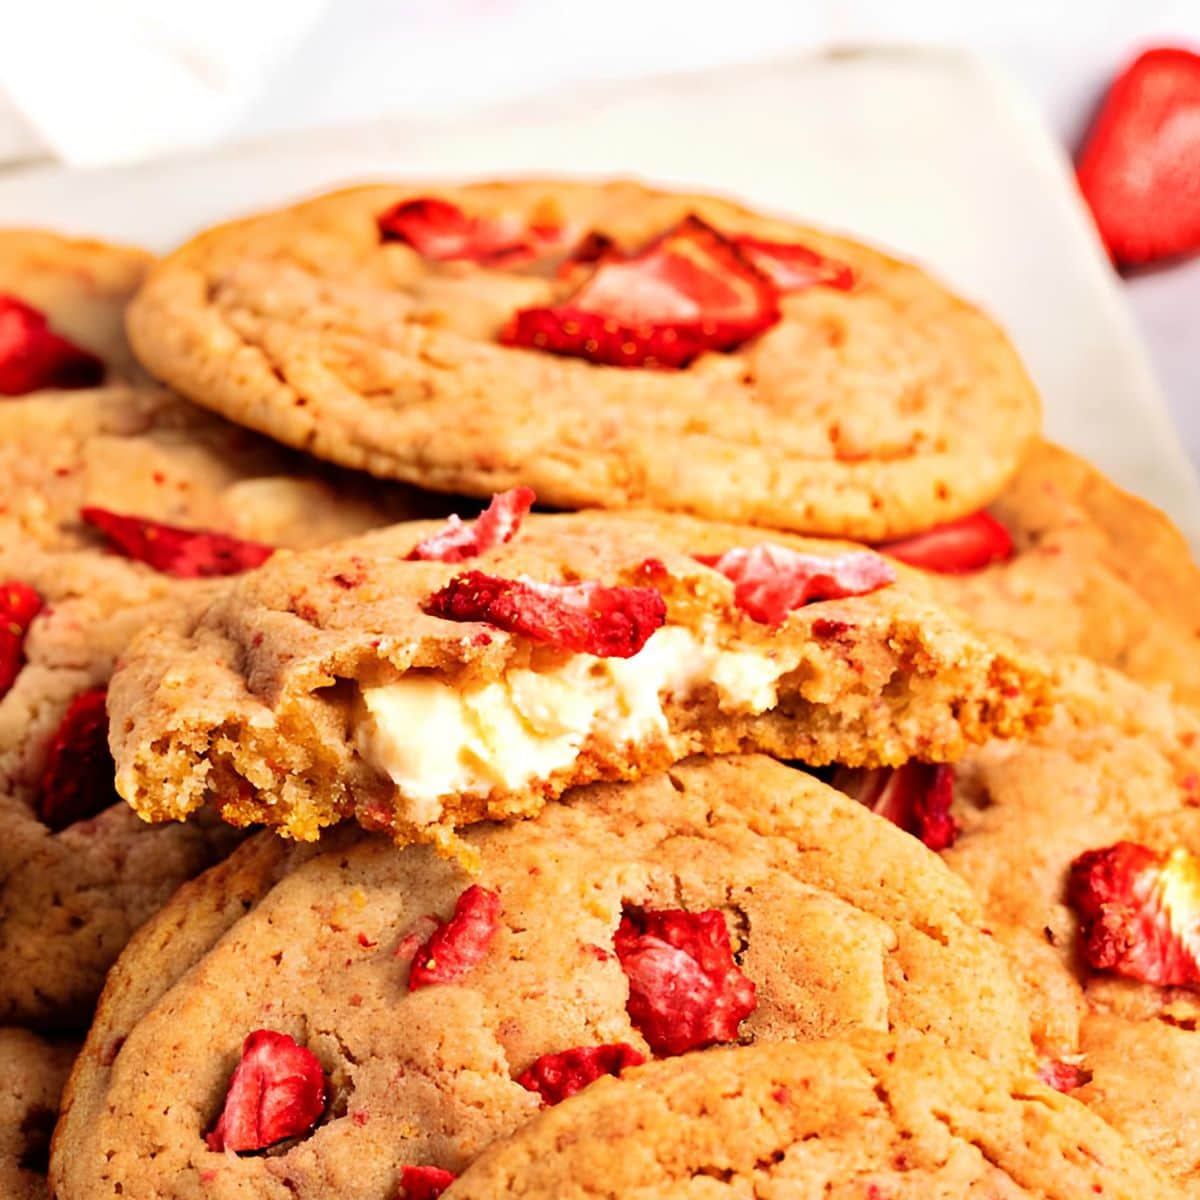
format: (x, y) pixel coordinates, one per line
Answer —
(427, 676)
(349, 1019)
(605, 344)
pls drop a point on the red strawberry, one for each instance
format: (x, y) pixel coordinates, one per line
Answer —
(19, 604)
(792, 267)
(957, 547)
(1139, 912)
(688, 292)
(685, 990)
(184, 553)
(917, 797)
(423, 1183)
(461, 943)
(277, 1091)
(1063, 1076)
(77, 780)
(1140, 166)
(439, 230)
(770, 581)
(586, 618)
(497, 524)
(594, 248)
(33, 356)
(556, 1076)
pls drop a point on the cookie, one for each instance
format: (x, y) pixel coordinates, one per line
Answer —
(729, 900)
(861, 1119)
(375, 680)
(464, 339)
(32, 1074)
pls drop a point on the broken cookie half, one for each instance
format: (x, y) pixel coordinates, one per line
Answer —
(427, 676)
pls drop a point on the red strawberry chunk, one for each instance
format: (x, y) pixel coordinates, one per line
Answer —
(594, 248)
(688, 292)
(424, 1183)
(685, 990)
(77, 780)
(184, 553)
(1063, 1076)
(1140, 167)
(1139, 912)
(497, 524)
(460, 944)
(585, 618)
(439, 230)
(277, 1091)
(556, 1076)
(770, 581)
(792, 267)
(917, 797)
(33, 356)
(19, 604)
(968, 544)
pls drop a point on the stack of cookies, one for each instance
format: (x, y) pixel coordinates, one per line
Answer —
(559, 690)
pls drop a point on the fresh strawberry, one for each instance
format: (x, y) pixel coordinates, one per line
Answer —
(461, 943)
(968, 544)
(594, 248)
(792, 267)
(77, 780)
(917, 797)
(439, 230)
(688, 292)
(556, 1076)
(497, 524)
(1140, 166)
(423, 1183)
(1063, 1076)
(1139, 912)
(277, 1091)
(33, 356)
(184, 553)
(770, 581)
(19, 604)
(586, 618)
(685, 990)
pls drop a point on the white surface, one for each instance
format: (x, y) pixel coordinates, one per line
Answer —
(928, 153)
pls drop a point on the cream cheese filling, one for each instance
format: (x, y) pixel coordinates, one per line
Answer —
(434, 740)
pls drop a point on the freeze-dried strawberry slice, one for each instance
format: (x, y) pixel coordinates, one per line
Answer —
(424, 1183)
(497, 524)
(276, 1091)
(1139, 912)
(792, 267)
(770, 581)
(685, 990)
(77, 780)
(439, 230)
(1063, 1076)
(19, 604)
(586, 618)
(968, 544)
(916, 796)
(33, 356)
(184, 553)
(1140, 167)
(461, 943)
(689, 291)
(556, 1076)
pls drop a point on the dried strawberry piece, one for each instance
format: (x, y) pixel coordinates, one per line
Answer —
(77, 780)
(688, 292)
(556, 1076)
(1139, 912)
(461, 943)
(1063, 1076)
(33, 356)
(424, 1183)
(586, 618)
(439, 230)
(968, 544)
(916, 796)
(792, 267)
(1140, 167)
(184, 553)
(497, 524)
(685, 990)
(19, 604)
(770, 581)
(276, 1091)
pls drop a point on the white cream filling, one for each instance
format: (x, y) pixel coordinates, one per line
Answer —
(434, 740)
